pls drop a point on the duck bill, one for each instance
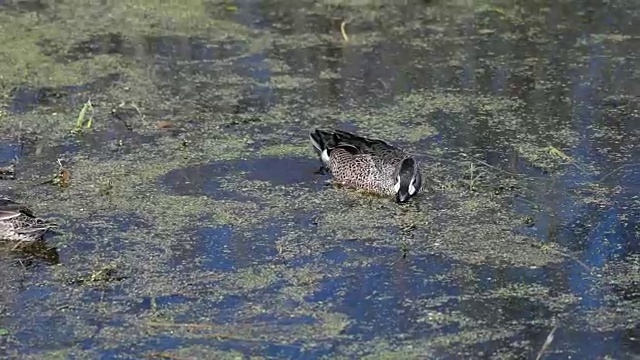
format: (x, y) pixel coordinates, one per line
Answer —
(401, 198)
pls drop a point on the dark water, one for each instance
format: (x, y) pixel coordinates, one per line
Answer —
(259, 272)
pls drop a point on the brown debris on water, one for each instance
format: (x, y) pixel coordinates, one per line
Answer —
(63, 177)
(8, 172)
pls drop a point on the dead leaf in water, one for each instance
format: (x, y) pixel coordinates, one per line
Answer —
(165, 124)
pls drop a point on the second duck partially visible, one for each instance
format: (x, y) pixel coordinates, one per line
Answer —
(368, 164)
(18, 224)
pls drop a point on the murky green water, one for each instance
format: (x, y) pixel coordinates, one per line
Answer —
(196, 225)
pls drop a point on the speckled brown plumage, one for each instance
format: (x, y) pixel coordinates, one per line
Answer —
(363, 171)
(368, 164)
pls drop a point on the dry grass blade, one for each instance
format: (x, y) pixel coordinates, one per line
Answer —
(80, 122)
(343, 30)
(547, 343)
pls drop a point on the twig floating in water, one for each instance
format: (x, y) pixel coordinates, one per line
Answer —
(547, 342)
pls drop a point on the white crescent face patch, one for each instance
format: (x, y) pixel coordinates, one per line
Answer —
(396, 187)
(412, 188)
(325, 156)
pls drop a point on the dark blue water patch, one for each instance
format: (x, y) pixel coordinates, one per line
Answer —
(199, 180)
(203, 179)
(376, 295)
(99, 322)
(9, 152)
(228, 308)
(528, 342)
(51, 334)
(254, 247)
(337, 255)
(25, 99)
(225, 307)
(86, 235)
(210, 248)
(598, 233)
(298, 171)
(109, 144)
(221, 248)
(29, 295)
(593, 344)
(579, 344)
(300, 261)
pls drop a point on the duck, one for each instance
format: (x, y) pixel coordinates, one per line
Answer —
(19, 224)
(368, 164)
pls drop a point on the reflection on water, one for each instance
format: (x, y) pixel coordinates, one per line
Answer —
(214, 179)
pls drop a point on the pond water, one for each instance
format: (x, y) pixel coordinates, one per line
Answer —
(197, 225)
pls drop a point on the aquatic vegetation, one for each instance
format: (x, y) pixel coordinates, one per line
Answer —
(81, 122)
